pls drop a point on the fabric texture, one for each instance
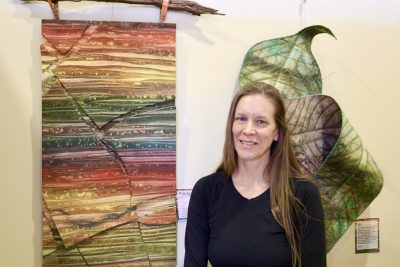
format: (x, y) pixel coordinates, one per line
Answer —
(227, 229)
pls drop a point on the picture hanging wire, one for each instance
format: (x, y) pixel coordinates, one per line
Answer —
(302, 13)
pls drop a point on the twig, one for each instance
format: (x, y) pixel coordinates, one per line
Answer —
(176, 5)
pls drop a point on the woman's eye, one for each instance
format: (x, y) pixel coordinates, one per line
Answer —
(240, 118)
(261, 122)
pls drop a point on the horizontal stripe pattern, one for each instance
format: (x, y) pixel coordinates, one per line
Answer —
(108, 144)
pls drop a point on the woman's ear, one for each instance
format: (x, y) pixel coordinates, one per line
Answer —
(276, 136)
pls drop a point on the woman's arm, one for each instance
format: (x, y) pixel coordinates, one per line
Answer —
(313, 247)
(197, 229)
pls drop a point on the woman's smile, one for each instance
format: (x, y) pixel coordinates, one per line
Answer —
(248, 143)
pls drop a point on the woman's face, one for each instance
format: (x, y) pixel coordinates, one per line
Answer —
(254, 128)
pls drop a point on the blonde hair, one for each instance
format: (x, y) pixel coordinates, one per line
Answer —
(282, 166)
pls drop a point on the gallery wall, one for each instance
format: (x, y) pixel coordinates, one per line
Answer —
(359, 70)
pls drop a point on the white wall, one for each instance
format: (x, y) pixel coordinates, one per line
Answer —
(360, 70)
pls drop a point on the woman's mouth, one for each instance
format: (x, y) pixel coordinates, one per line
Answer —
(249, 143)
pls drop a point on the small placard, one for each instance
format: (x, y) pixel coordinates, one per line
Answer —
(367, 235)
(182, 202)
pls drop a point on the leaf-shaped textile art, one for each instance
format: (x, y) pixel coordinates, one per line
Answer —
(108, 142)
(314, 123)
(285, 63)
(349, 181)
(324, 141)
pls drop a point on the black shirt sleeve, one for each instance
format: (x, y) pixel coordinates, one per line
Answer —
(313, 248)
(197, 228)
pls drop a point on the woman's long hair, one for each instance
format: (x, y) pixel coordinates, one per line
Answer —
(282, 166)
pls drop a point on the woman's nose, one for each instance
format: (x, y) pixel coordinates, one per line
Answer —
(249, 128)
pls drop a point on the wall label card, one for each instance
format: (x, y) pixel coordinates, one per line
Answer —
(182, 202)
(367, 235)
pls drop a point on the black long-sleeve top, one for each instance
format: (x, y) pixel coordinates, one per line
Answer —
(230, 230)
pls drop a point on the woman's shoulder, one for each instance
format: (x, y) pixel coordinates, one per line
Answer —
(210, 181)
(305, 188)
(210, 184)
(307, 192)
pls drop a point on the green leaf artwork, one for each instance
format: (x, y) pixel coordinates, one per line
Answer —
(325, 143)
(286, 63)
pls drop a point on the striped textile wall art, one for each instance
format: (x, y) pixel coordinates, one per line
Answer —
(108, 143)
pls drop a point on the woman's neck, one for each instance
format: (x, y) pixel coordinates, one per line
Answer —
(250, 178)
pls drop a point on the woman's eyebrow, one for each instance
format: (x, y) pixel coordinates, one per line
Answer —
(261, 117)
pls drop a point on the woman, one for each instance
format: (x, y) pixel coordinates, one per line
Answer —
(256, 210)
